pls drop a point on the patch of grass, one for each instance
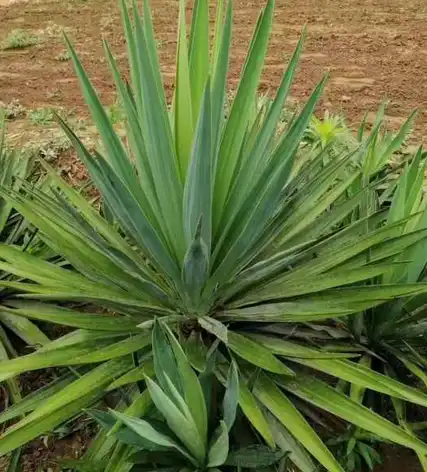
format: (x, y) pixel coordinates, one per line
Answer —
(63, 56)
(41, 116)
(19, 38)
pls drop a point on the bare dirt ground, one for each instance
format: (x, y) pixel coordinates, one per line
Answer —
(374, 49)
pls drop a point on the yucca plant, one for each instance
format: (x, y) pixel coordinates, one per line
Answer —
(15, 167)
(213, 228)
(181, 411)
(394, 333)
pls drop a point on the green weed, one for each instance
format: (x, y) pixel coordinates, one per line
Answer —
(41, 116)
(63, 56)
(18, 39)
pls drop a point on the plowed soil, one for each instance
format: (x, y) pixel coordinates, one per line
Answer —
(374, 49)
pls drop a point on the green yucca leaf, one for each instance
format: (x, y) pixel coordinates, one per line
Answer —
(62, 405)
(199, 53)
(34, 399)
(322, 282)
(67, 317)
(134, 375)
(259, 155)
(295, 225)
(292, 349)
(112, 143)
(286, 442)
(237, 122)
(284, 410)
(196, 266)
(255, 415)
(158, 137)
(245, 348)
(15, 438)
(178, 417)
(363, 376)
(231, 397)
(192, 390)
(253, 457)
(218, 450)
(139, 407)
(219, 73)
(266, 195)
(107, 421)
(127, 208)
(183, 108)
(103, 228)
(198, 185)
(321, 394)
(25, 329)
(146, 431)
(164, 360)
(219, 27)
(357, 392)
(413, 368)
(138, 144)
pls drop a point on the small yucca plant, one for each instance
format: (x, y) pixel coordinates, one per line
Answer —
(327, 130)
(184, 411)
(212, 228)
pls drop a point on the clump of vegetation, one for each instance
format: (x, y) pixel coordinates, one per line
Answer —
(19, 38)
(63, 56)
(41, 116)
(327, 130)
(228, 234)
(115, 113)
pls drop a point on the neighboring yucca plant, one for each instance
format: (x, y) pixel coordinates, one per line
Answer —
(15, 167)
(392, 336)
(216, 231)
(395, 333)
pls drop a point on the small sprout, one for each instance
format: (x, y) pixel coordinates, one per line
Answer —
(327, 130)
(115, 113)
(63, 56)
(19, 38)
